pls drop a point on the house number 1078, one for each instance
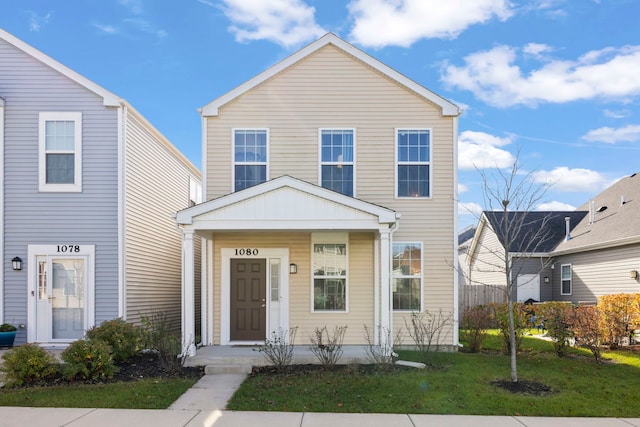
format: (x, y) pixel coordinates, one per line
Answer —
(68, 248)
(246, 251)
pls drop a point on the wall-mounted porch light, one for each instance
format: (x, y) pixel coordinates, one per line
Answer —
(546, 279)
(293, 268)
(633, 274)
(17, 263)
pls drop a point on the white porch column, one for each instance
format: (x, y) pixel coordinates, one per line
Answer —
(386, 312)
(188, 294)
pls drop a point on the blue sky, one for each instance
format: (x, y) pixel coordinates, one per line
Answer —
(555, 82)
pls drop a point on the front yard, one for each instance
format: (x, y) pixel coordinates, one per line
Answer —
(460, 383)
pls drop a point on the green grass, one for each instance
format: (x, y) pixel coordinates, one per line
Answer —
(460, 383)
(143, 394)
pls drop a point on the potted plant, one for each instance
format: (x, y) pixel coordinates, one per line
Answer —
(7, 334)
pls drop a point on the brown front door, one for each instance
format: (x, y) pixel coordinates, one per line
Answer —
(248, 299)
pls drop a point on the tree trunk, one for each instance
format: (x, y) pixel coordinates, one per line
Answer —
(512, 343)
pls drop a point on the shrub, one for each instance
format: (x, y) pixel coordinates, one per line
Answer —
(328, 349)
(381, 354)
(555, 316)
(125, 339)
(278, 349)
(587, 329)
(7, 327)
(475, 323)
(88, 360)
(161, 338)
(620, 315)
(520, 319)
(28, 364)
(425, 329)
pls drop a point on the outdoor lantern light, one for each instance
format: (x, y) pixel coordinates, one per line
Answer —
(546, 279)
(17, 263)
(633, 274)
(293, 269)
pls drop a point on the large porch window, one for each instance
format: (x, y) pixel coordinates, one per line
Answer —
(329, 276)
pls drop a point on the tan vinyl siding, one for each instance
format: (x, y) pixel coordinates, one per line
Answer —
(605, 271)
(332, 90)
(360, 282)
(487, 267)
(157, 186)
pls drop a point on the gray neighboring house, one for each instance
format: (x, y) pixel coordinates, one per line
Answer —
(88, 190)
(582, 254)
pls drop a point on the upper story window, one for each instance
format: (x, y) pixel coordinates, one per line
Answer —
(60, 152)
(406, 276)
(337, 160)
(413, 163)
(250, 153)
(565, 277)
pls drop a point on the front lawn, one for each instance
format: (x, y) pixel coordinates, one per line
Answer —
(149, 393)
(460, 383)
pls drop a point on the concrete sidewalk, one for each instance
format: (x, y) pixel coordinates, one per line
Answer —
(43, 417)
(203, 406)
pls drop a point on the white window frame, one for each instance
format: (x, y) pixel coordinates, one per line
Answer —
(45, 117)
(195, 191)
(413, 163)
(337, 239)
(333, 163)
(234, 163)
(570, 279)
(409, 276)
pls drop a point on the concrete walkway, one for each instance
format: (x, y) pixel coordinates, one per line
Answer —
(203, 406)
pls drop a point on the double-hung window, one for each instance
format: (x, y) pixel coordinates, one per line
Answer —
(413, 163)
(337, 160)
(60, 151)
(329, 275)
(250, 152)
(406, 277)
(565, 278)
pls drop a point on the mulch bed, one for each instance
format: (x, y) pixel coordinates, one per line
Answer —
(530, 388)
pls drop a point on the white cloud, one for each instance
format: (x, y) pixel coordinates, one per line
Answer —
(379, 23)
(105, 28)
(482, 150)
(609, 135)
(37, 21)
(286, 22)
(495, 77)
(572, 180)
(462, 188)
(536, 49)
(469, 209)
(145, 26)
(555, 206)
(617, 114)
(134, 6)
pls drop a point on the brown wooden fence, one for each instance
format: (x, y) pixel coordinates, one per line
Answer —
(472, 295)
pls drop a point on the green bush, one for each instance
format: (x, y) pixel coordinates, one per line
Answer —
(556, 316)
(88, 360)
(28, 364)
(520, 323)
(125, 339)
(160, 337)
(475, 323)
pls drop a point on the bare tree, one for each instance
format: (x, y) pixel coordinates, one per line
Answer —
(511, 198)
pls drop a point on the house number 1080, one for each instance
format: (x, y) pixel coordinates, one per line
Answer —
(246, 251)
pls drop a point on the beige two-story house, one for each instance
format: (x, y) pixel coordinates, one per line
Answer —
(330, 200)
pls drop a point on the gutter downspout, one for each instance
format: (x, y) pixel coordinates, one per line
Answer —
(394, 228)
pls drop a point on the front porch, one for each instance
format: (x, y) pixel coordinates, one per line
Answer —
(240, 359)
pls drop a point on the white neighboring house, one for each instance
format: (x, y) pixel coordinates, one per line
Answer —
(88, 190)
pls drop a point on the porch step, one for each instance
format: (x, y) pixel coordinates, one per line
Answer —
(227, 369)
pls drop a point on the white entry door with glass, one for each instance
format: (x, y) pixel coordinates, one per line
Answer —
(61, 288)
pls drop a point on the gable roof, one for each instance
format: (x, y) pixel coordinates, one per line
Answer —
(109, 99)
(447, 107)
(529, 237)
(613, 218)
(286, 203)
